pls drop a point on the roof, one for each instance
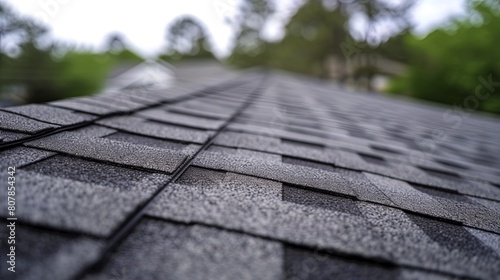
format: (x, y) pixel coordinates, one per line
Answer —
(251, 176)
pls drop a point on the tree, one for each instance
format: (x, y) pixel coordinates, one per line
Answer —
(377, 15)
(119, 51)
(30, 72)
(187, 38)
(451, 63)
(313, 34)
(318, 32)
(115, 43)
(249, 47)
(26, 38)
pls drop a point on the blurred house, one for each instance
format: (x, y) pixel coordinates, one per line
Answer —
(158, 74)
(355, 72)
(146, 74)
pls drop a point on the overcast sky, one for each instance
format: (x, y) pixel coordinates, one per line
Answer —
(143, 22)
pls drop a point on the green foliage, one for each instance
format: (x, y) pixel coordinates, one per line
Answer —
(314, 34)
(42, 76)
(447, 66)
(76, 73)
(83, 73)
(124, 55)
(45, 77)
(396, 47)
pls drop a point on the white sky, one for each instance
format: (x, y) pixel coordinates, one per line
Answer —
(143, 22)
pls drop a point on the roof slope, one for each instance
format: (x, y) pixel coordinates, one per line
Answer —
(262, 176)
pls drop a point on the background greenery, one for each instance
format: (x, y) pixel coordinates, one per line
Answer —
(446, 66)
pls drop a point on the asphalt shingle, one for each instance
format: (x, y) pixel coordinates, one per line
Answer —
(114, 102)
(71, 205)
(47, 255)
(80, 106)
(8, 136)
(50, 114)
(409, 242)
(275, 170)
(489, 239)
(466, 210)
(490, 204)
(112, 151)
(314, 199)
(407, 197)
(464, 248)
(92, 172)
(363, 188)
(154, 129)
(20, 156)
(305, 264)
(175, 251)
(146, 141)
(327, 184)
(22, 124)
(181, 119)
(95, 131)
(239, 206)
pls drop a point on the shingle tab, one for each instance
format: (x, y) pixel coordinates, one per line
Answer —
(198, 113)
(146, 141)
(407, 197)
(490, 204)
(466, 210)
(50, 114)
(22, 124)
(78, 105)
(8, 136)
(304, 264)
(181, 119)
(108, 101)
(176, 251)
(111, 151)
(152, 129)
(315, 199)
(72, 205)
(409, 244)
(95, 131)
(293, 174)
(243, 209)
(20, 156)
(92, 172)
(48, 255)
(476, 258)
(307, 163)
(363, 188)
(489, 239)
(201, 177)
(409, 173)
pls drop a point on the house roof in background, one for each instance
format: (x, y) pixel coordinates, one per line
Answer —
(251, 175)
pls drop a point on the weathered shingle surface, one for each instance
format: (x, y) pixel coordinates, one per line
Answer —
(260, 176)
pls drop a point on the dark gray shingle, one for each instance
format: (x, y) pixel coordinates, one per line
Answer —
(157, 130)
(22, 124)
(174, 251)
(50, 114)
(112, 151)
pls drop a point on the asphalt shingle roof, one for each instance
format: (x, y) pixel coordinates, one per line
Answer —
(260, 176)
